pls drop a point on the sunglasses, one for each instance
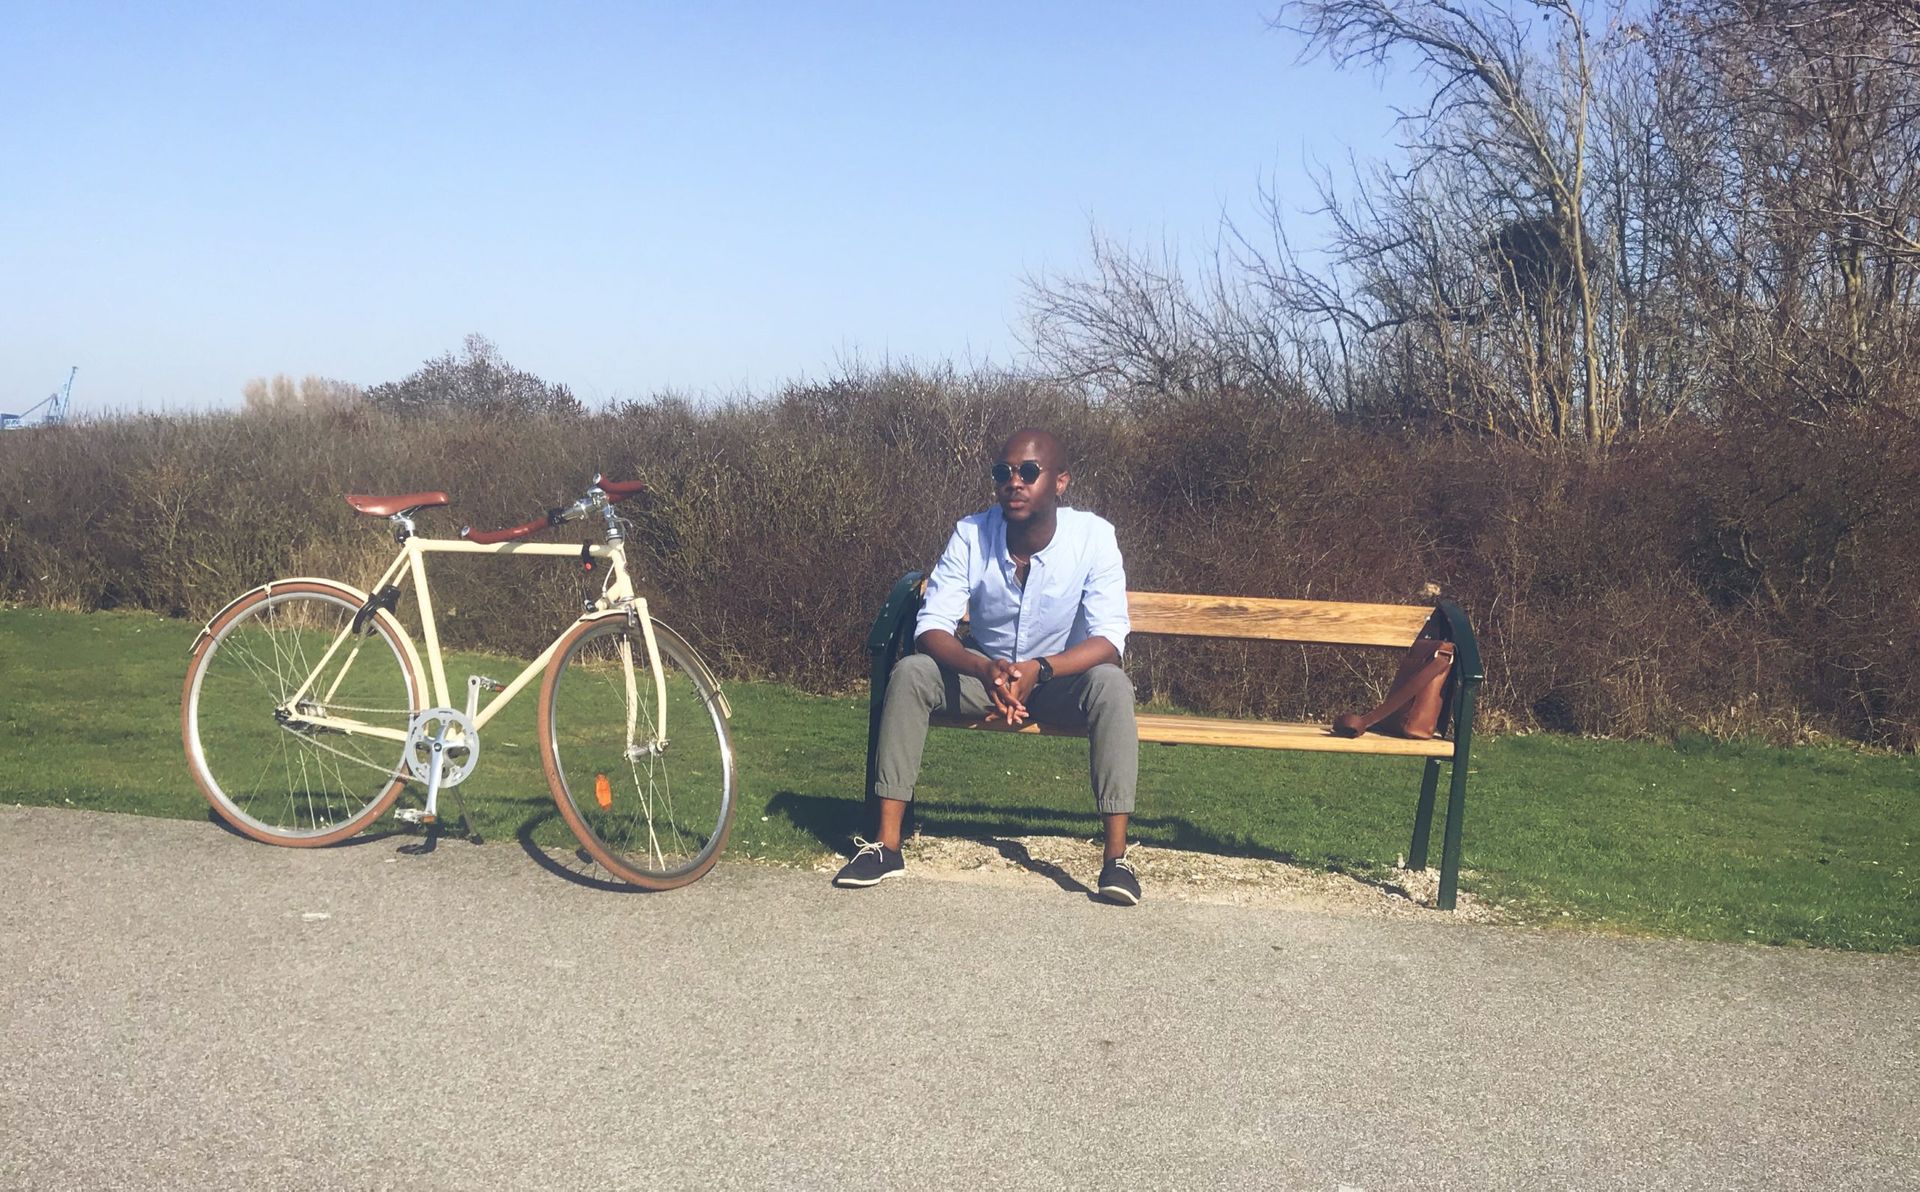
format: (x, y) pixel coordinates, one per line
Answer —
(1003, 473)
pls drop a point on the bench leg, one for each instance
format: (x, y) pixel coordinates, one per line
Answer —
(1423, 816)
(1450, 846)
(883, 661)
(873, 742)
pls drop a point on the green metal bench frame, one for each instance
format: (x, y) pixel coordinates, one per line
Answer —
(892, 637)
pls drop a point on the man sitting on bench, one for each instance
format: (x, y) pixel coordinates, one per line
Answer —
(1046, 594)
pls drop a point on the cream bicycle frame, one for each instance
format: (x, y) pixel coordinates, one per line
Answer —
(411, 562)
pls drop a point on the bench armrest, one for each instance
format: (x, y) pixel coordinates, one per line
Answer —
(1450, 621)
(1466, 648)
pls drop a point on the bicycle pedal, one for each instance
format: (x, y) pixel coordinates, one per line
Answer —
(486, 683)
(413, 815)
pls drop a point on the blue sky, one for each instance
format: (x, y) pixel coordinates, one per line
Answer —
(629, 198)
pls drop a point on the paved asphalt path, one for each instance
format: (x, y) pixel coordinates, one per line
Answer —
(185, 1009)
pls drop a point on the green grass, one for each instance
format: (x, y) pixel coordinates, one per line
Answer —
(1699, 839)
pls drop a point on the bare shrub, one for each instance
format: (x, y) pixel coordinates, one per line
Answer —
(1758, 577)
(478, 381)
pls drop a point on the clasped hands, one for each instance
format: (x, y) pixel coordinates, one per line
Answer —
(1008, 686)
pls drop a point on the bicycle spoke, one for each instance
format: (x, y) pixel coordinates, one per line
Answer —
(649, 809)
(258, 756)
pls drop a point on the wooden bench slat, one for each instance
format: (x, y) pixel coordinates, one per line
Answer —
(1313, 621)
(1195, 730)
(1254, 734)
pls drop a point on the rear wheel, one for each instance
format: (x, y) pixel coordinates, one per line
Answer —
(293, 722)
(650, 809)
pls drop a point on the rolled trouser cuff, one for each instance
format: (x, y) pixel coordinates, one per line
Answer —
(886, 790)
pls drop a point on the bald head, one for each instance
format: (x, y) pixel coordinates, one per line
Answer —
(1034, 443)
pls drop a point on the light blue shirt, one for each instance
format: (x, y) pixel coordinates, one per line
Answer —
(1076, 588)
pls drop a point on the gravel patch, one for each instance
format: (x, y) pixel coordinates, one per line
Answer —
(1069, 863)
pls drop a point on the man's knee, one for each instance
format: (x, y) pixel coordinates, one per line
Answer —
(916, 673)
(1108, 688)
(916, 668)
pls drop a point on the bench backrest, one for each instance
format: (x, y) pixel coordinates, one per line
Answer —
(1313, 621)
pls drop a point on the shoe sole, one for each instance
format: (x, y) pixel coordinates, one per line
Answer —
(853, 884)
(1116, 894)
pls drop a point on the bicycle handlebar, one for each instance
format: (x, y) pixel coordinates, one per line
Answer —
(604, 492)
(489, 537)
(620, 490)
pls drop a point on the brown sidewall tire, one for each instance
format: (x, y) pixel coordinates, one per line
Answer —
(415, 686)
(669, 642)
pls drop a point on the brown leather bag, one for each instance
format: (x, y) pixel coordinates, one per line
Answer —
(1414, 702)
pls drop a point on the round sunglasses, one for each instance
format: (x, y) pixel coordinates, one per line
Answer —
(1029, 471)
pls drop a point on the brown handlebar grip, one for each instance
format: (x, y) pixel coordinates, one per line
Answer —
(489, 537)
(620, 490)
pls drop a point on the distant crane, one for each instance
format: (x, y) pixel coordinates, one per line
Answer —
(55, 402)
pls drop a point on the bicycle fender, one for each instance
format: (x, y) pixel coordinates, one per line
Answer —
(344, 589)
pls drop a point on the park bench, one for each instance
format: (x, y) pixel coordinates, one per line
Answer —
(1317, 622)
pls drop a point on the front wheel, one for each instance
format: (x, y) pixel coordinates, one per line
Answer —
(293, 719)
(651, 808)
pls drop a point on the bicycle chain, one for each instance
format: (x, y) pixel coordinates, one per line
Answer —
(310, 739)
(407, 712)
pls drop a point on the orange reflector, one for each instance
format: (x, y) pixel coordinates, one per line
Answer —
(602, 792)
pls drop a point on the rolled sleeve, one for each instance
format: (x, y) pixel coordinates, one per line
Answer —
(949, 587)
(1104, 598)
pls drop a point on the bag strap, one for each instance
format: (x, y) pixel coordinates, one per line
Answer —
(1404, 692)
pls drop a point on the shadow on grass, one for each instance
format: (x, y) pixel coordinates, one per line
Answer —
(831, 822)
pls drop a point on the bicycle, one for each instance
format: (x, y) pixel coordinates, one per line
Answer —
(306, 713)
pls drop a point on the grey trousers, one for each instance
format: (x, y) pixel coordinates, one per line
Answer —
(1099, 701)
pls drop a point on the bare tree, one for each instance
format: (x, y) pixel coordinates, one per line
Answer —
(1510, 114)
(1603, 223)
(1813, 114)
(477, 381)
(1138, 325)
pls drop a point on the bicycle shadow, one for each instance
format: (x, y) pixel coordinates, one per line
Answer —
(545, 859)
(219, 821)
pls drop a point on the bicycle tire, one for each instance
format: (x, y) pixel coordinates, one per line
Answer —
(309, 786)
(659, 820)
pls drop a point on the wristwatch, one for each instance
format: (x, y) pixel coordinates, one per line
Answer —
(1046, 671)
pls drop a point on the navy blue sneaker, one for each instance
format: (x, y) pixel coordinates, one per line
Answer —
(873, 864)
(1119, 883)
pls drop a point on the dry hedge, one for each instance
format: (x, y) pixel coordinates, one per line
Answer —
(1736, 580)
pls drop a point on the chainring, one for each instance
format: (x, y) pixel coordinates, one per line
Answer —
(446, 736)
